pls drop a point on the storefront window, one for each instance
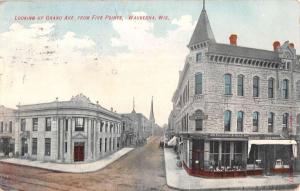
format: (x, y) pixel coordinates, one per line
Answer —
(225, 154)
(214, 153)
(238, 154)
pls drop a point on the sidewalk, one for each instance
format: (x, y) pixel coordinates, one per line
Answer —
(178, 178)
(72, 168)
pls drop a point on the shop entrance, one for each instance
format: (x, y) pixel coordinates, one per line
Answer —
(198, 155)
(78, 151)
(24, 148)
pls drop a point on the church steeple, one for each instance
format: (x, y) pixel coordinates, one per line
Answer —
(203, 31)
(151, 117)
(133, 106)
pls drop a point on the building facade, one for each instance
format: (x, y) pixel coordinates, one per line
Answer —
(236, 109)
(66, 131)
(7, 131)
(129, 128)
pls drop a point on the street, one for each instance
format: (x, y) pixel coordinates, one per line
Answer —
(141, 169)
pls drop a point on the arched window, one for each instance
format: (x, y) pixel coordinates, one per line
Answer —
(271, 88)
(255, 120)
(255, 86)
(199, 115)
(227, 120)
(227, 84)
(285, 121)
(285, 89)
(198, 83)
(240, 120)
(270, 122)
(240, 87)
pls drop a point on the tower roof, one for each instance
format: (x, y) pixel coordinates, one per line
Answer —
(151, 117)
(203, 31)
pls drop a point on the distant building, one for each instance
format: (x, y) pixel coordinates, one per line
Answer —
(66, 131)
(129, 128)
(236, 108)
(7, 131)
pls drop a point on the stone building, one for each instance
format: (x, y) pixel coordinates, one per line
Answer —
(7, 131)
(129, 128)
(236, 109)
(66, 131)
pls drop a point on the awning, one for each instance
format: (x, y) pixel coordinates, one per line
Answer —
(172, 142)
(274, 142)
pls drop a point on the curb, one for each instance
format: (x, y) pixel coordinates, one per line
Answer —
(269, 187)
(60, 171)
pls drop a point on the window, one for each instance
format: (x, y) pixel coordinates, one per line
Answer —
(298, 90)
(23, 124)
(66, 147)
(256, 86)
(285, 89)
(47, 146)
(34, 146)
(118, 142)
(199, 120)
(240, 90)
(238, 153)
(10, 126)
(214, 153)
(227, 84)
(225, 161)
(100, 145)
(48, 124)
(285, 121)
(240, 120)
(271, 88)
(198, 83)
(109, 142)
(34, 124)
(199, 124)
(227, 120)
(101, 126)
(198, 57)
(79, 124)
(1, 127)
(106, 126)
(105, 145)
(270, 122)
(255, 119)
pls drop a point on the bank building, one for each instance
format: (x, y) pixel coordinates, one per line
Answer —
(236, 109)
(66, 131)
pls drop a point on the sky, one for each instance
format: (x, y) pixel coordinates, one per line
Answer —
(112, 61)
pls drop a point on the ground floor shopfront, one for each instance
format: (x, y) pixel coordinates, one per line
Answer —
(229, 157)
(6, 146)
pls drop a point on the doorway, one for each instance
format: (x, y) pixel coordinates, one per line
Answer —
(198, 155)
(78, 151)
(24, 149)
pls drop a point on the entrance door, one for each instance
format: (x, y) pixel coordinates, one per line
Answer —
(198, 156)
(24, 148)
(78, 151)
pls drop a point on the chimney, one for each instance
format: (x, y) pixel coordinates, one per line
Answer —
(111, 109)
(291, 45)
(233, 39)
(276, 45)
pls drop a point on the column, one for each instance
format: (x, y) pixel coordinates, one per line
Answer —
(71, 139)
(220, 152)
(95, 138)
(231, 152)
(206, 154)
(62, 135)
(58, 138)
(89, 138)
